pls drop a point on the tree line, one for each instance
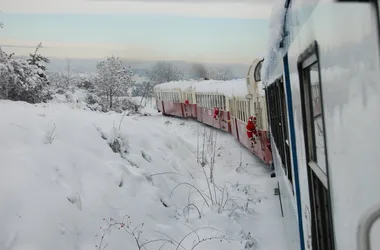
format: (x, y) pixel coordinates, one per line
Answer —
(26, 79)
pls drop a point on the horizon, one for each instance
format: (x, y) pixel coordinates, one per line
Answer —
(88, 65)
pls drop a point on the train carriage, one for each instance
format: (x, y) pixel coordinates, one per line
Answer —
(175, 101)
(225, 105)
(321, 75)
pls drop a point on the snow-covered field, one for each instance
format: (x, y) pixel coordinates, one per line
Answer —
(62, 187)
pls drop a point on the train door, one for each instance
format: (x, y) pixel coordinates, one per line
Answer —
(315, 147)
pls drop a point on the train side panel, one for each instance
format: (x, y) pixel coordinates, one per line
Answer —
(200, 111)
(258, 149)
(288, 202)
(173, 108)
(190, 110)
(234, 128)
(343, 49)
(224, 121)
(159, 105)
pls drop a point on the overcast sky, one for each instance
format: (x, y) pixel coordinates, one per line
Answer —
(207, 31)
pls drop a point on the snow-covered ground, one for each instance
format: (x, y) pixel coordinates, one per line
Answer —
(62, 187)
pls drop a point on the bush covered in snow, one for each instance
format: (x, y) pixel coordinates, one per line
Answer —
(23, 79)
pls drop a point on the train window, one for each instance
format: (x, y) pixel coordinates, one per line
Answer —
(245, 111)
(279, 125)
(232, 112)
(241, 110)
(237, 109)
(257, 73)
(310, 86)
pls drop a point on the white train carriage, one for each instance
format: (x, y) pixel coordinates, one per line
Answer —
(322, 76)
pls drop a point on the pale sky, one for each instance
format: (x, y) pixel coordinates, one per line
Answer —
(233, 31)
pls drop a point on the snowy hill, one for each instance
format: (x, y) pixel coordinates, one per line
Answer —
(63, 186)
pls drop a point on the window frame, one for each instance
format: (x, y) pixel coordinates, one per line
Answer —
(307, 59)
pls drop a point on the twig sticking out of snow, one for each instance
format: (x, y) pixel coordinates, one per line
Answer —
(49, 136)
(136, 232)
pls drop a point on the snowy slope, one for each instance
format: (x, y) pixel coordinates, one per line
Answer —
(60, 179)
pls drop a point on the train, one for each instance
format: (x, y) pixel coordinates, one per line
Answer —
(224, 105)
(321, 78)
(319, 119)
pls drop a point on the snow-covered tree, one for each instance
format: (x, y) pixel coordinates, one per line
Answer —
(223, 74)
(144, 89)
(113, 79)
(164, 72)
(20, 80)
(39, 61)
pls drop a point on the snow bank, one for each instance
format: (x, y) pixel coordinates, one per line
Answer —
(230, 88)
(60, 179)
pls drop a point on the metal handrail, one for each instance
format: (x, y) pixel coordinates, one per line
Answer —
(364, 228)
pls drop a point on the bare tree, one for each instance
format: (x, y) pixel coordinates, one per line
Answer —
(164, 72)
(113, 79)
(68, 74)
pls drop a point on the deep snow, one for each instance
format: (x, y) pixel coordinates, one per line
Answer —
(60, 179)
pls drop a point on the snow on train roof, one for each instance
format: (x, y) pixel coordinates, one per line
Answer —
(230, 88)
(274, 53)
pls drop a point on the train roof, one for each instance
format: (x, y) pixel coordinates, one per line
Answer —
(230, 88)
